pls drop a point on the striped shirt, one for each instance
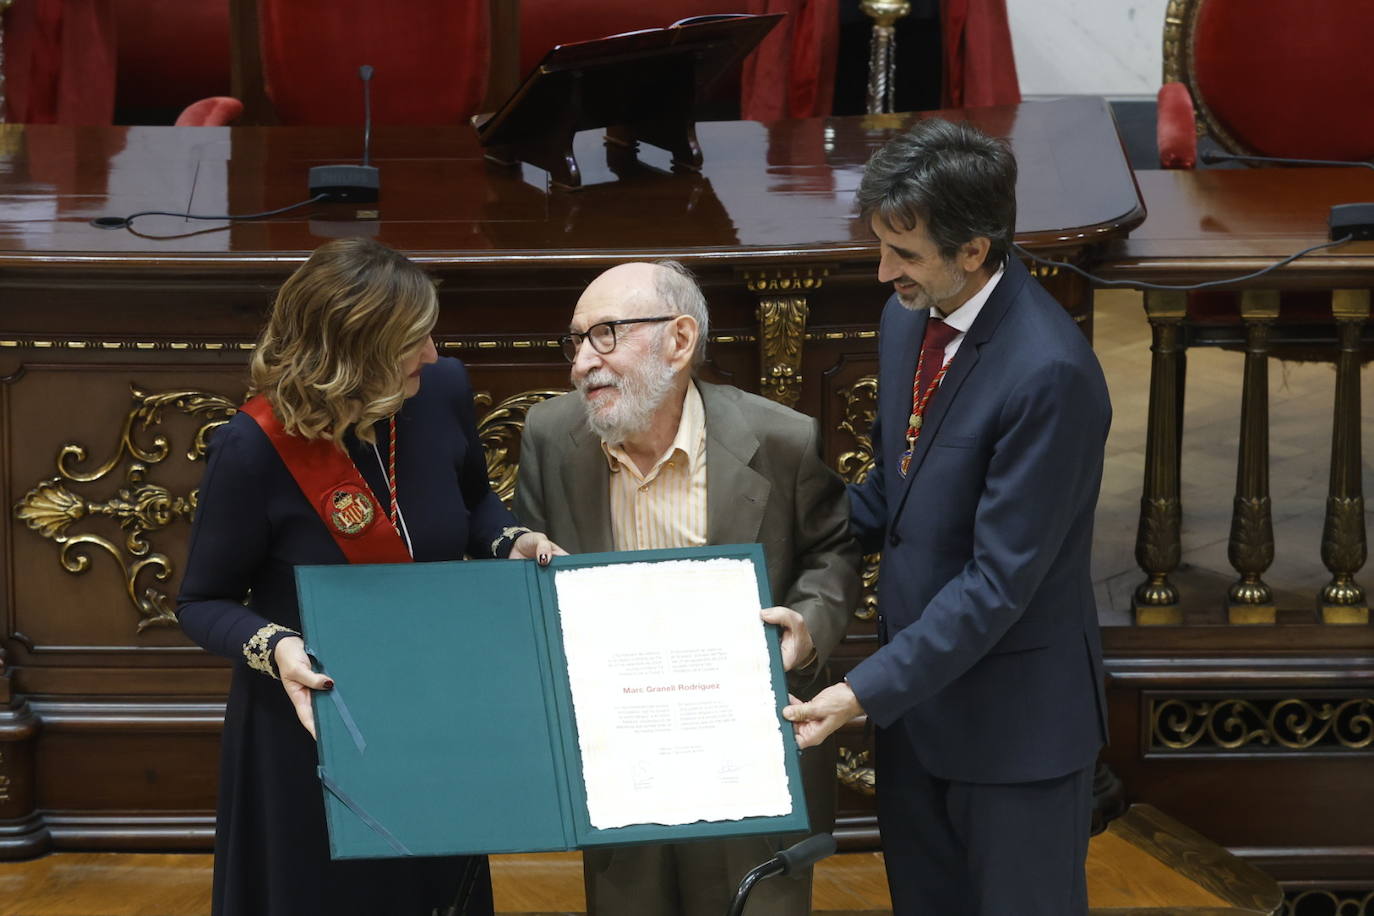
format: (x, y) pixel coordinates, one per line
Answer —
(667, 506)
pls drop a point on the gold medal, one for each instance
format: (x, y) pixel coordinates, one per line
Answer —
(349, 510)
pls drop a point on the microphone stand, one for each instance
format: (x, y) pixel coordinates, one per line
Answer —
(789, 861)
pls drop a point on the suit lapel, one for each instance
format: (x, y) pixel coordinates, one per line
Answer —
(736, 494)
(960, 367)
(586, 474)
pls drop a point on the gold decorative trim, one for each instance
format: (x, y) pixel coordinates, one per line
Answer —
(785, 279)
(841, 335)
(30, 343)
(257, 650)
(1173, 40)
(145, 346)
(782, 328)
(499, 429)
(860, 407)
(551, 343)
(1337, 902)
(510, 533)
(1257, 725)
(854, 771)
(50, 509)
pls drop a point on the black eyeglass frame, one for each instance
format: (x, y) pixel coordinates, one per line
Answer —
(572, 342)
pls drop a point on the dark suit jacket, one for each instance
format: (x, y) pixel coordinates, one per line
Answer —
(765, 482)
(991, 657)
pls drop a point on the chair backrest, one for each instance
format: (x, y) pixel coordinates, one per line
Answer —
(296, 61)
(155, 38)
(1277, 78)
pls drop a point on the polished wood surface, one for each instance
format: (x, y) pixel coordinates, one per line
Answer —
(1215, 223)
(1146, 863)
(779, 191)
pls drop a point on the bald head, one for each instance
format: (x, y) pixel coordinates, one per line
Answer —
(639, 289)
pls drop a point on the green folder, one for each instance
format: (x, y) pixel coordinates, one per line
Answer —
(451, 730)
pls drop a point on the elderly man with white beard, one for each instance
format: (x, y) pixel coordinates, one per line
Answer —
(644, 455)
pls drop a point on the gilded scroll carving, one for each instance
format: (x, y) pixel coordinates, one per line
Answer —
(53, 510)
(499, 429)
(860, 407)
(1284, 724)
(782, 327)
(856, 771)
(781, 314)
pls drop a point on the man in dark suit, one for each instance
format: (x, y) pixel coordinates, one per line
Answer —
(644, 455)
(988, 444)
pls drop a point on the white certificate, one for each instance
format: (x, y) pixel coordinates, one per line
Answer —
(676, 716)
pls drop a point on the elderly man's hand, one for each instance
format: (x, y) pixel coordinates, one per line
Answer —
(797, 646)
(813, 722)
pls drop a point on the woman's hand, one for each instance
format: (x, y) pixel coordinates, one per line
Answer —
(297, 678)
(535, 545)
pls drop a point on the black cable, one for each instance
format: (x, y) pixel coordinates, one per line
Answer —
(123, 222)
(1207, 284)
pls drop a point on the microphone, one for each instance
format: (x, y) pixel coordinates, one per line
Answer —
(1212, 158)
(352, 183)
(790, 861)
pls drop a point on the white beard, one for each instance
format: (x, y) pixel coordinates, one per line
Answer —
(640, 394)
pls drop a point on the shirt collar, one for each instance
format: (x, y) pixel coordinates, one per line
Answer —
(964, 315)
(691, 429)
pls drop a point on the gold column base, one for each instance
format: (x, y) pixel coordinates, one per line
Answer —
(1251, 614)
(1345, 614)
(1158, 615)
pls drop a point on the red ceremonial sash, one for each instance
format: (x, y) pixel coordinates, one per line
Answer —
(332, 484)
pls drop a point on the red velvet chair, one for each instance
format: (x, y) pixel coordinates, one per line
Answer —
(1272, 77)
(296, 61)
(1266, 78)
(791, 75)
(169, 53)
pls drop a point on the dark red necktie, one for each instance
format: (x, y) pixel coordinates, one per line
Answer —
(929, 371)
(938, 336)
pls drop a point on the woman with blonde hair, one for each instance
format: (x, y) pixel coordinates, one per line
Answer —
(358, 445)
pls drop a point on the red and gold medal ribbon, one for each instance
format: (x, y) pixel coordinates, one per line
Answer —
(918, 409)
(332, 485)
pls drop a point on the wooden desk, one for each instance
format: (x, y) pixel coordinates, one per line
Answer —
(119, 351)
(1216, 223)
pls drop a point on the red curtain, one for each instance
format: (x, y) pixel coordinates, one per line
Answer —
(792, 74)
(60, 62)
(979, 68)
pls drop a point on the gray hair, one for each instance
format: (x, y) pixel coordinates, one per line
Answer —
(677, 288)
(954, 178)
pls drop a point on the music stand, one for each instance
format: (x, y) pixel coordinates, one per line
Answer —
(641, 86)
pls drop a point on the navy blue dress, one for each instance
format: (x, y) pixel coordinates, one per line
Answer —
(252, 528)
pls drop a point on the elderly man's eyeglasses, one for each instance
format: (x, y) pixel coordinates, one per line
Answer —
(602, 336)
